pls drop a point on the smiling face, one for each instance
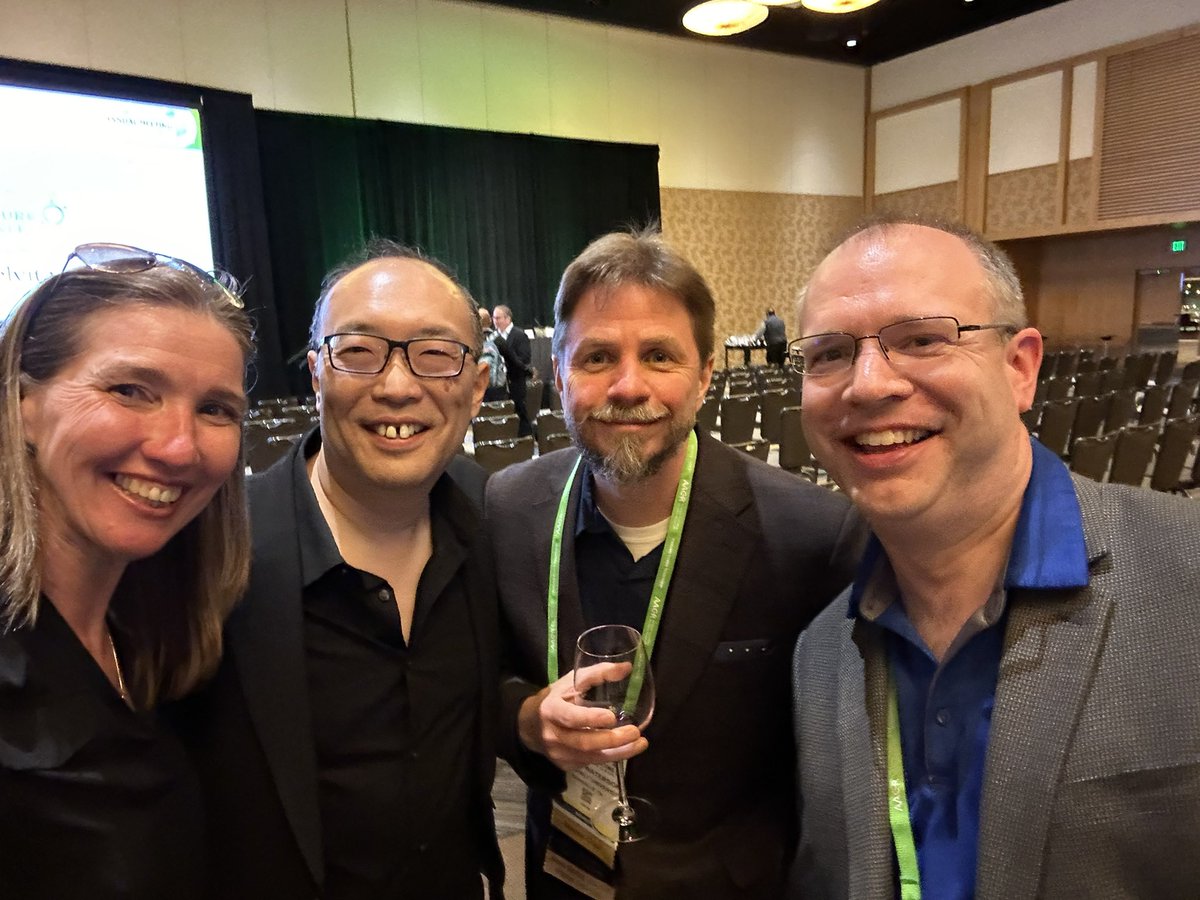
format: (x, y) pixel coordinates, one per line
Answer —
(631, 379)
(937, 436)
(134, 435)
(394, 431)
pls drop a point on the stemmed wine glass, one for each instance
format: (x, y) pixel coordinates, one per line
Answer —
(612, 671)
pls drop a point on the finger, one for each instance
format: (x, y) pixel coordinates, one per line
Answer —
(600, 673)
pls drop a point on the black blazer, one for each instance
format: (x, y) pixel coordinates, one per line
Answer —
(762, 552)
(517, 353)
(250, 729)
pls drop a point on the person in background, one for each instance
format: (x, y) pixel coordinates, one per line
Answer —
(1004, 705)
(774, 333)
(347, 744)
(756, 553)
(497, 369)
(123, 546)
(514, 345)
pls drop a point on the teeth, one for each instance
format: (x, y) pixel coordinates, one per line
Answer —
(155, 493)
(888, 438)
(392, 432)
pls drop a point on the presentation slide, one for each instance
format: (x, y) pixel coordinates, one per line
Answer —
(76, 168)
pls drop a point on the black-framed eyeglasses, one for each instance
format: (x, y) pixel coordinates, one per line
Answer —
(368, 354)
(122, 259)
(834, 352)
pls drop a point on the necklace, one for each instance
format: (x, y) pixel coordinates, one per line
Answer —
(117, 662)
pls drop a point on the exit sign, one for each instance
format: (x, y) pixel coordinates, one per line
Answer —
(1178, 246)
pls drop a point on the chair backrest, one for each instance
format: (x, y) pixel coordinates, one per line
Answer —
(1067, 364)
(1032, 416)
(494, 428)
(1107, 363)
(706, 418)
(737, 419)
(550, 441)
(1138, 369)
(794, 455)
(551, 421)
(1121, 410)
(1090, 456)
(1173, 449)
(1111, 380)
(1041, 391)
(757, 449)
(1058, 416)
(1154, 402)
(1131, 458)
(1087, 384)
(1048, 365)
(1058, 388)
(534, 396)
(1090, 415)
(264, 448)
(1166, 366)
(1191, 370)
(497, 408)
(495, 455)
(769, 405)
(1183, 397)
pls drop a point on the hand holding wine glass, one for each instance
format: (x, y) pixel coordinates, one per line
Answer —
(612, 671)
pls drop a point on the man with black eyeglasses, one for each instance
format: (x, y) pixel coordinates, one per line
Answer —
(1004, 704)
(346, 745)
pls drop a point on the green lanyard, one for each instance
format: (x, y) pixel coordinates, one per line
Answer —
(902, 836)
(666, 566)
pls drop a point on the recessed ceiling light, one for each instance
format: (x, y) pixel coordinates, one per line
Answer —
(852, 42)
(724, 17)
(837, 6)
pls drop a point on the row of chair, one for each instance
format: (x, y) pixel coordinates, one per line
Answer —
(1124, 456)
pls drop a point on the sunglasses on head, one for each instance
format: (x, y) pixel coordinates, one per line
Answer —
(122, 259)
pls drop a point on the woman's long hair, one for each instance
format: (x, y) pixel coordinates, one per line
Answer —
(169, 608)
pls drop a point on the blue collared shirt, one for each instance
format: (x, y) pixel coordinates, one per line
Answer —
(946, 709)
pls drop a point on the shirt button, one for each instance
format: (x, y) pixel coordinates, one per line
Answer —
(942, 717)
(385, 596)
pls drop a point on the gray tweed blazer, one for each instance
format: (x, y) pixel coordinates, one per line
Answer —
(1092, 782)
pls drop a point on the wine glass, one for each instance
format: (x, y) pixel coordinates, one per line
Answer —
(612, 671)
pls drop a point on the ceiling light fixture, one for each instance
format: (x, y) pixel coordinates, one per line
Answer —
(852, 42)
(724, 17)
(837, 6)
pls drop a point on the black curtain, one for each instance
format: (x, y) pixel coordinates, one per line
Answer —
(507, 212)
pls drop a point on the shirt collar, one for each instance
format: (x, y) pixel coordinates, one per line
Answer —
(1048, 550)
(589, 518)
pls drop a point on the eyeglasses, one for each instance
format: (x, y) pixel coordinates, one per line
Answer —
(834, 352)
(122, 259)
(368, 354)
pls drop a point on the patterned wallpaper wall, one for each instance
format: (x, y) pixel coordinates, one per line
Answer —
(1021, 199)
(1081, 200)
(754, 249)
(939, 201)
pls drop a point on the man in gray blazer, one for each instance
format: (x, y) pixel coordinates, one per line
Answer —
(1006, 704)
(759, 552)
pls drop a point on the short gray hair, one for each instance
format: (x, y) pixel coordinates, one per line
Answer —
(1000, 276)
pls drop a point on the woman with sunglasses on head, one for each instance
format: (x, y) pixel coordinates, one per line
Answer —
(123, 545)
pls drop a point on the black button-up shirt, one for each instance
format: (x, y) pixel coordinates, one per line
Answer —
(395, 723)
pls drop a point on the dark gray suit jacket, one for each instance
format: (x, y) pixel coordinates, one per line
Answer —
(762, 552)
(1092, 781)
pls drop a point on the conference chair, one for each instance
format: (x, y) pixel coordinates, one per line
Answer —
(1182, 398)
(1067, 364)
(1111, 380)
(534, 396)
(1131, 458)
(1087, 384)
(1191, 370)
(550, 421)
(495, 455)
(1090, 416)
(770, 403)
(495, 428)
(1058, 417)
(794, 455)
(264, 448)
(1058, 388)
(706, 417)
(757, 449)
(551, 441)
(738, 414)
(1122, 409)
(494, 408)
(1032, 416)
(1090, 456)
(1173, 448)
(1166, 366)
(1154, 401)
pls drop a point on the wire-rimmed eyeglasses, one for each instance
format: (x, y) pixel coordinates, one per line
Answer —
(834, 352)
(368, 354)
(122, 259)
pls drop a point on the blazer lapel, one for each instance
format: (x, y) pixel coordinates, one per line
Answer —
(701, 596)
(862, 736)
(1051, 646)
(268, 651)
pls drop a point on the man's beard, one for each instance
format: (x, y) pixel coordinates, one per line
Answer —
(626, 463)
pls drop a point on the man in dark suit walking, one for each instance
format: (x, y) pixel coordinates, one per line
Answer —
(346, 746)
(513, 344)
(717, 558)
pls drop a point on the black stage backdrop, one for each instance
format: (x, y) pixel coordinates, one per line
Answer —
(507, 212)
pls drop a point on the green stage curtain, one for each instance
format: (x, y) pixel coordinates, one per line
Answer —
(507, 212)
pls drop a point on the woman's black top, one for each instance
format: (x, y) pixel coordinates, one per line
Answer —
(96, 800)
